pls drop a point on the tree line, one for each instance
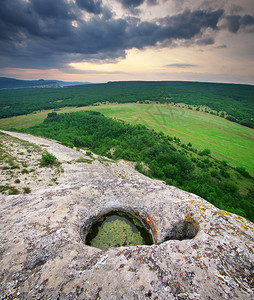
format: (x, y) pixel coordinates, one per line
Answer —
(235, 99)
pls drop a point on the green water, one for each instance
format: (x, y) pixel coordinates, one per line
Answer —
(118, 229)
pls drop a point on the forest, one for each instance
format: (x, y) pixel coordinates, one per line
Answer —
(232, 101)
(156, 155)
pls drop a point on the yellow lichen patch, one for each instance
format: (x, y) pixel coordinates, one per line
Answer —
(225, 213)
(201, 207)
(244, 226)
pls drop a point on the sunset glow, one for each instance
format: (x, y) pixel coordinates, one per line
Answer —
(100, 41)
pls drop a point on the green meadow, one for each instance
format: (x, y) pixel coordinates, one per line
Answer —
(227, 140)
(35, 118)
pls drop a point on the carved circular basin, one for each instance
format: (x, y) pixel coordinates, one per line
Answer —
(117, 229)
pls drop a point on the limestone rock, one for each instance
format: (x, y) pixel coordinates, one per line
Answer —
(199, 251)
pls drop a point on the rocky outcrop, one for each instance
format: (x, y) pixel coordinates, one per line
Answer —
(199, 251)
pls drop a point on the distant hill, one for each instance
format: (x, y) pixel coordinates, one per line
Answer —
(64, 83)
(12, 83)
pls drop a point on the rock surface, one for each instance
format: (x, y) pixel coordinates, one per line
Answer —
(200, 252)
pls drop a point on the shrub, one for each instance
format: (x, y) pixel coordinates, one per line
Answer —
(214, 173)
(3, 188)
(27, 190)
(224, 173)
(15, 167)
(13, 191)
(47, 159)
(243, 172)
(205, 152)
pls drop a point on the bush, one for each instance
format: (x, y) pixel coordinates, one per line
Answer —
(47, 159)
(27, 190)
(24, 171)
(243, 172)
(15, 167)
(13, 191)
(205, 152)
(224, 173)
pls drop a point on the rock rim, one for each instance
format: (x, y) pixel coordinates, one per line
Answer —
(200, 252)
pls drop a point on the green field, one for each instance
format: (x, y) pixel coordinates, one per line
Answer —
(35, 118)
(233, 101)
(226, 140)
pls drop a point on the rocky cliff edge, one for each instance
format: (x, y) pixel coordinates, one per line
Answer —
(199, 251)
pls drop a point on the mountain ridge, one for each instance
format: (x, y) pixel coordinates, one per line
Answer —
(13, 83)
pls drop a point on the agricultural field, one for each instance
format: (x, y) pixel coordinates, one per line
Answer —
(226, 140)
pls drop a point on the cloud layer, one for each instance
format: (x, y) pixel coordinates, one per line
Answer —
(50, 34)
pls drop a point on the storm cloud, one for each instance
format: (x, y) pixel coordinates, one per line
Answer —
(236, 22)
(50, 34)
(135, 3)
(90, 6)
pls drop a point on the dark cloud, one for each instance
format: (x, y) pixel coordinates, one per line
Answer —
(136, 3)
(181, 66)
(233, 23)
(17, 15)
(237, 22)
(91, 6)
(188, 24)
(52, 9)
(40, 34)
(132, 5)
(247, 20)
(205, 41)
(19, 19)
(221, 47)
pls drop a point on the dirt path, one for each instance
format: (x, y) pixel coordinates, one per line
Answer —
(61, 152)
(20, 169)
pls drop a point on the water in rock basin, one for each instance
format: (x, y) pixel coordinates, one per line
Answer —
(118, 229)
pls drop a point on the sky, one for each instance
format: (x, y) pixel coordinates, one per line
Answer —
(115, 40)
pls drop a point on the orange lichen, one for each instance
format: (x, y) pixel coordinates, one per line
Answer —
(151, 222)
(189, 218)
